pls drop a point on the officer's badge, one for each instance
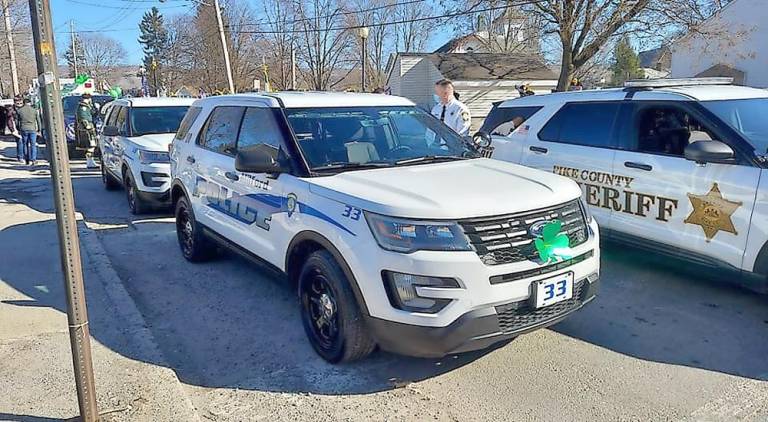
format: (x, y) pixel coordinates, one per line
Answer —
(465, 116)
(291, 203)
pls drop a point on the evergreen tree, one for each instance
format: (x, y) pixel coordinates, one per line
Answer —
(626, 63)
(154, 38)
(70, 58)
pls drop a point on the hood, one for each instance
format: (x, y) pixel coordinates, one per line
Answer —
(154, 142)
(454, 190)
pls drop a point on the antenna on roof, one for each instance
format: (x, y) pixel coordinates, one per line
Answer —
(661, 83)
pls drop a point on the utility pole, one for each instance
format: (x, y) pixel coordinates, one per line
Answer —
(74, 46)
(363, 32)
(224, 46)
(293, 67)
(69, 244)
(11, 49)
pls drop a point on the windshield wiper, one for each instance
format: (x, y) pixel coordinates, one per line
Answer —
(429, 159)
(340, 165)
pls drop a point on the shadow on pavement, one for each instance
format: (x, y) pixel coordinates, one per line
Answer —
(29, 418)
(664, 310)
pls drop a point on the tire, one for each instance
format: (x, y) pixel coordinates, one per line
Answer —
(109, 181)
(329, 311)
(74, 153)
(135, 204)
(194, 245)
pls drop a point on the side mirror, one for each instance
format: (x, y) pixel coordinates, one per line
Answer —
(259, 158)
(709, 152)
(109, 131)
(482, 139)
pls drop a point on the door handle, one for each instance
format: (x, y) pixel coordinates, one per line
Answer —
(539, 150)
(191, 159)
(639, 166)
(232, 176)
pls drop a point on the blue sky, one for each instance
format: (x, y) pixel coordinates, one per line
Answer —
(119, 19)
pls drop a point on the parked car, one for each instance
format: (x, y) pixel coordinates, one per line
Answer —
(677, 166)
(134, 148)
(395, 233)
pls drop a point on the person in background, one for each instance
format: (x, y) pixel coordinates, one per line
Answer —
(85, 129)
(29, 126)
(12, 127)
(449, 110)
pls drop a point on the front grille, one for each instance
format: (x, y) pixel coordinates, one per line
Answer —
(506, 239)
(506, 278)
(518, 316)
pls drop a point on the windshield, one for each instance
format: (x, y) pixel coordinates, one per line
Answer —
(70, 103)
(381, 136)
(149, 120)
(748, 117)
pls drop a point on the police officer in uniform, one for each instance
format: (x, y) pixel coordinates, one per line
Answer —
(86, 130)
(450, 110)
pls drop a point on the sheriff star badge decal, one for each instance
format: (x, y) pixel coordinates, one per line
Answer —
(712, 212)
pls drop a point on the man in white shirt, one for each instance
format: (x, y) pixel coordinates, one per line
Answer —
(449, 110)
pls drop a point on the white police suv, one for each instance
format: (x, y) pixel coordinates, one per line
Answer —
(134, 148)
(673, 165)
(394, 232)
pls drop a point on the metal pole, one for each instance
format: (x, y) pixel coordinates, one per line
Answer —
(224, 47)
(11, 49)
(74, 46)
(71, 264)
(365, 41)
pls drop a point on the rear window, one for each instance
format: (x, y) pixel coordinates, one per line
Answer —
(501, 121)
(588, 124)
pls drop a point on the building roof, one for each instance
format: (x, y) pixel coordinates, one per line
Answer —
(488, 66)
(657, 58)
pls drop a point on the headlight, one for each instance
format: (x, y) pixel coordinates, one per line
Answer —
(401, 235)
(402, 294)
(147, 157)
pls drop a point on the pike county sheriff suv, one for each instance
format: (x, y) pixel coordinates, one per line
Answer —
(394, 232)
(678, 166)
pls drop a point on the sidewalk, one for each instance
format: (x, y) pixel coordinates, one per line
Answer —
(36, 379)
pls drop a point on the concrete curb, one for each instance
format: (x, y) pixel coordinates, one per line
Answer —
(126, 307)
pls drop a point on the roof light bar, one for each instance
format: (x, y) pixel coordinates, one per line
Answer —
(659, 83)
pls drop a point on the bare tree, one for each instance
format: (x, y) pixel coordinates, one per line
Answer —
(501, 26)
(281, 41)
(22, 39)
(414, 31)
(380, 42)
(101, 55)
(324, 42)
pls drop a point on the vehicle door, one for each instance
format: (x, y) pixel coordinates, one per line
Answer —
(508, 131)
(703, 208)
(119, 142)
(107, 146)
(264, 204)
(578, 142)
(213, 164)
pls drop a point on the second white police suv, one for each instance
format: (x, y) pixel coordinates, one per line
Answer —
(677, 166)
(396, 233)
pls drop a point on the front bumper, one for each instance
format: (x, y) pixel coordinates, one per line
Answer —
(153, 181)
(480, 328)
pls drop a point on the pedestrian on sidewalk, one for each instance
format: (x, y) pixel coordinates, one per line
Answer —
(29, 126)
(85, 132)
(11, 126)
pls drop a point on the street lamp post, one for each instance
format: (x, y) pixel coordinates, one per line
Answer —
(363, 32)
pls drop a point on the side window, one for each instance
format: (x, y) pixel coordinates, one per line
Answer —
(501, 121)
(112, 117)
(187, 122)
(121, 121)
(588, 124)
(666, 129)
(260, 127)
(220, 132)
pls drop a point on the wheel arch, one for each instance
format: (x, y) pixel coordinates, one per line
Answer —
(308, 241)
(177, 191)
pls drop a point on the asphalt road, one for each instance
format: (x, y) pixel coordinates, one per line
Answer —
(663, 341)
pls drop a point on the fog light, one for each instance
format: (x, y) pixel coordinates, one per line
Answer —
(401, 291)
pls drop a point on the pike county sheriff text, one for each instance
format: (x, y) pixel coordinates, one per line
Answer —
(612, 191)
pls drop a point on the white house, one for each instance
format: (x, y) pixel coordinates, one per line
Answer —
(480, 79)
(731, 43)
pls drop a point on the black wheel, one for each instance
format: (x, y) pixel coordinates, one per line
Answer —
(194, 245)
(329, 311)
(135, 204)
(107, 179)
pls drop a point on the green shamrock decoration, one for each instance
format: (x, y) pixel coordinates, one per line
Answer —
(80, 79)
(552, 244)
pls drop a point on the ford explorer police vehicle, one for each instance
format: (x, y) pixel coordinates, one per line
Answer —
(394, 232)
(673, 165)
(134, 148)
